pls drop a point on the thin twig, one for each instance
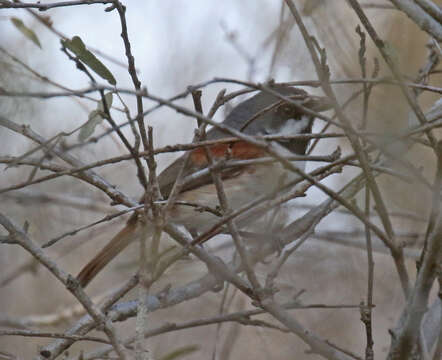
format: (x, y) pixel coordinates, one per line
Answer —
(71, 284)
(323, 74)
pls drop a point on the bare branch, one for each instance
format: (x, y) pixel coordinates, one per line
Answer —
(424, 13)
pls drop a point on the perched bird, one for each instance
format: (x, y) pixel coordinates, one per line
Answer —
(262, 114)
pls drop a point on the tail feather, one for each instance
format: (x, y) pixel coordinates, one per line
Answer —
(110, 251)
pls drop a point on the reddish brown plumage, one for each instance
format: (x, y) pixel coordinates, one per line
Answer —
(240, 150)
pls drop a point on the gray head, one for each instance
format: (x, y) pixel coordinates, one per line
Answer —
(265, 114)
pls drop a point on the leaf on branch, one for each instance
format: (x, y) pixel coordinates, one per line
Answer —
(77, 46)
(27, 32)
(95, 117)
(108, 98)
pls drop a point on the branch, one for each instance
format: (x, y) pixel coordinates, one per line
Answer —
(426, 21)
(405, 335)
(70, 283)
(4, 4)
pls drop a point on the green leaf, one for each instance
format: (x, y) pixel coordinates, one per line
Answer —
(77, 46)
(95, 118)
(30, 34)
(89, 127)
(109, 98)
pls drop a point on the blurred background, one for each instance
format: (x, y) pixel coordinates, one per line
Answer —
(177, 44)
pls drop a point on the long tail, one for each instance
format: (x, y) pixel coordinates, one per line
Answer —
(118, 243)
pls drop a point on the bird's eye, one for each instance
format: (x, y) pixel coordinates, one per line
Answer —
(285, 110)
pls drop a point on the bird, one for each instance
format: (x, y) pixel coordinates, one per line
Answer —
(262, 114)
